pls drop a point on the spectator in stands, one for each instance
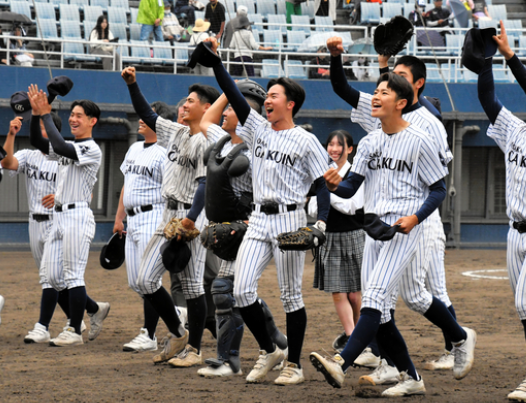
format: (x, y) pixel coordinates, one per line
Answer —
(359, 70)
(293, 8)
(229, 27)
(22, 58)
(243, 43)
(438, 16)
(3, 54)
(172, 30)
(416, 17)
(317, 71)
(183, 6)
(151, 14)
(102, 36)
(215, 14)
(479, 9)
(200, 33)
(326, 8)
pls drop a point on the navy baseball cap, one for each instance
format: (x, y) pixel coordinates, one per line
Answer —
(60, 85)
(176, 255)
(112, 254)
(377, 229)
(203, 55)
(20, 105)
(478, 46)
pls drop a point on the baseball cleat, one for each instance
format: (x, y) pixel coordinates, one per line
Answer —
(279, 367)
(141, 343)
(264, 364)
(339, 342)
(68, 337)
(96, 320)
(82, 326)
(406, 386)
(172, 346)
(2, 302)
(519, 393)
(217, 372)
(330, 367)
(187, 358)
(445, 361)
(39, 334)
(290, 375)
(182, 313)
(464, 353)
(367, 359)
(384, 374)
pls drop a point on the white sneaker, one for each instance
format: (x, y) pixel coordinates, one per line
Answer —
(222, 371)
(264, 364)
(291, 375)
(384, 374)
(67, 338)
(367, 359)
(519, 393)
(330, 367)
(2, 301)
(464, 354)
(82, 326)
(141, 343)
(96, 320)
(182, 313)
(39, 334)
(281, 365)
(407, 386)
(445, 361)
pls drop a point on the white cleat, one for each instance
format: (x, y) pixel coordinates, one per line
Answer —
(384, 374)
(141, 343)
(291, 375)
(222, 371)
(464, 353)
(39, 334)
(330, 367)
(82, 325)
(264, 364)
(367, 359)
(67, 338)
(519, 393)
(406, 386)
(445, 362)
(96, 320)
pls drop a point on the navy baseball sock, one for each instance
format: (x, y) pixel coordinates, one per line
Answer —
(196, 320)
(151, 318)
(373, 345)
(164, 306)
(393, 343)
(440, 316)
(77, 306)
(449, 346)
(254, 318)
(296, 325)
(48, 303)
(361, 336)
(63, 301)
(91, 306)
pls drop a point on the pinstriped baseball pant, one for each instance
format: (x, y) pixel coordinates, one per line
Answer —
(515, 257)
(38, 235)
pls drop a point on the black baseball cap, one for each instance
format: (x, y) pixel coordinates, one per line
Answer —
(176, 255)
(203, 55)
(20, 105)
(60, 85)
(112, 254)
(478, 46)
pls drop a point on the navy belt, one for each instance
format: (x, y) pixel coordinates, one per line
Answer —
(274, 208)
(59, 207)
(141, 209)
(176, 205)
(40, 217)
(520, 226)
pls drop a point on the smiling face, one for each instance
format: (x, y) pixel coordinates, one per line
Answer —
(385, 102)
(193, 109)
(276, 104)
(338, 151)
(81, 124)
(104, 24)
(230, 120)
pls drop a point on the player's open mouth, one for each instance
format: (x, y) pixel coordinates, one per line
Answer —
(269, 110)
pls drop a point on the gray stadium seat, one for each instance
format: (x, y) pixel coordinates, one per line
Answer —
(47, 29)
(272, 38)
(321, 21)
(307, 8)
(135, 32)
(119, 31)
(250, 4)
(69, 12)
(301, 19)
(295, 39)
(21, 7)
(391, 9)
(134, 12)
(117, 15)
(295, 69)
(45, 11)
(266, 7)
(271, 69)
(278, 19)
(370, 13)
(139, 54)
(256, 18)
(91, 13)
(163, 54)
(120, 4)
(102, 3)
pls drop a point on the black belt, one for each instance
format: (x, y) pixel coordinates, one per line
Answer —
(174, 205)
(273, 208)
(141, 209)
(40, 217)
(520, 226)
(59, 207)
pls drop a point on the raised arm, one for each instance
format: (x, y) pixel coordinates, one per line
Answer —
(10, 162)
(486, 92)
(213, 114)
(516, 66)
(339, 82)
(140, 104)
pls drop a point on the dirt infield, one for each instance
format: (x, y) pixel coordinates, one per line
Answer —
(100, 371)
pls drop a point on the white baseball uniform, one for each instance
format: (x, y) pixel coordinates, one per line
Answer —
(509, 132)
(428, 269)
(67, 248)
(284, 165)
(182, 167)
(143, 174)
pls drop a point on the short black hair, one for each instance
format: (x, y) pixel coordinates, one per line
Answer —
(163, 110)
(343, 136)
(205, 93)
(400, 86)
(293, 91)
(417, 67)
(90, 108)
(254, 104)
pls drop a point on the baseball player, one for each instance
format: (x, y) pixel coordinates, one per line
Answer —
(230, 324)
(509, 132)
(41, 176)
(285, 161)
(67, 247)
(141, 201)
(183, 191)
(399, 165)
(412, 288)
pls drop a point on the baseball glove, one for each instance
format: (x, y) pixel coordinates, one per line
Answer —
(389, 39)
(303, 239)
(224, 239)
(175, 228)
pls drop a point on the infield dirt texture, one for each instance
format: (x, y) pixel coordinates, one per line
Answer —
(100, 371)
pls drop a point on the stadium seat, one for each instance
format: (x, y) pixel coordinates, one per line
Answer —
(321, 21)
(277, 19)
(498, 12)
(40, 1)
(294, 69)
(135, 32)
(256, 18)
(45, 11)
(488, 24)
(500, 74)
(75, 52)
(271, 69)
(455, 75)
(59, 2)
(201, 14)
(120, 4)
(256, 34)
(117, 15)
(513, 30)
(91, 13)
(119, 31)
(391, 9)
(295, 39)
(454, 44)
(163, 54)
(433, 76)
(181, 54)
(469, 76)
(370, 13)
(521, 49)
(266, 7)
(307, 8)
(47, 29)
(69, 12)
(88, 27)
(102, 3)
(139, 54)
(230, 6)
(81, 3)
(374, 71)
(250, 4)
(281, 7)
(272, 38)
(301, 19)
(134, 12)
(21, 7)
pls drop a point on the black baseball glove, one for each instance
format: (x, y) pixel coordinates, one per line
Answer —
(304, 238)
(224, 239)
(389, 39)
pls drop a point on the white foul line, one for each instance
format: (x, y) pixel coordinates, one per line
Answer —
(477, 274)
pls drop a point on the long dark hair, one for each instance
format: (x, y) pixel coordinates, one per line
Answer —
(98, 28)
(344, 137)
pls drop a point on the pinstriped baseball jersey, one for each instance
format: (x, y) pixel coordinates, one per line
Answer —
(241, 183)
(143, 171)
(184, 160)
(420, 117)
(76, 179)
(509, 132)
(286, 162)
(397, 169)
(41, 175)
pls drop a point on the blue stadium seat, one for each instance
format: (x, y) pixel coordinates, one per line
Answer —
(279, 19)
(513, 30)
(272, 38)
(135, 32)
(469, 76)
(102, 3)
(81, 3)
(271, 69)
(295, 69)
(256, 18)
(45, 11)
(391, 10)
(181, 54)
(117, 15)
(230, 6)
(75, 52)
(47, 29)
(40, 1)
(163, 54)
(521, 49)
(320, 21)
(500, 75)
(201, 14)
(120, 4)
(307, 8)
(140, 54)
(59, 2)
(295, 39)
(88, 27)
(250, 4)
(301, 19)
(454, 44)
(69, 12)
(455, 75)
(21, 7)
(266, 7)
(255, 34)
(281, 7)
(91, 13)
(498, 12)
(119, 31)
(134, 13)
(488, 24)
(433, 76)
(370, 13)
